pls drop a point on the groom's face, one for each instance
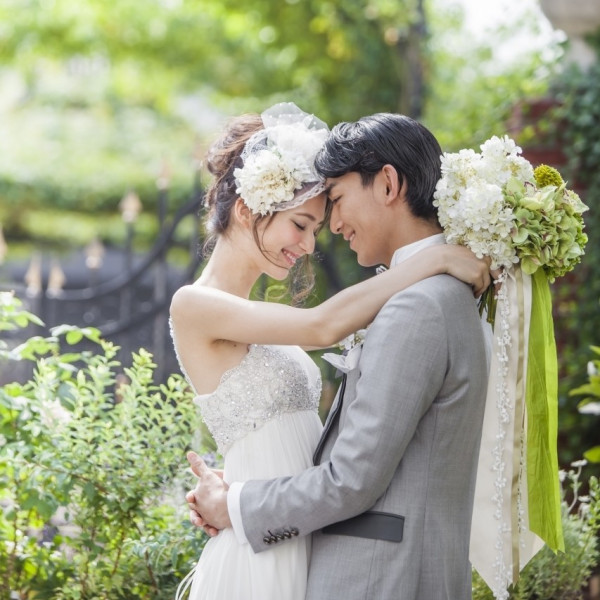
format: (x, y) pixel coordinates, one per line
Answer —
(358, 214)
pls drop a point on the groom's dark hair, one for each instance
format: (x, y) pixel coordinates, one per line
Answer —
(368, 144)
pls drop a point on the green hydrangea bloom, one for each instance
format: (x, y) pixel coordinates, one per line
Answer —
(545, 175)
(548, 227)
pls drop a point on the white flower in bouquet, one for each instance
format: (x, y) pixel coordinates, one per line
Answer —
(501, 161)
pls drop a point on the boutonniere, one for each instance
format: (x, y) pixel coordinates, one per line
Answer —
(351, 347)
(354, 339)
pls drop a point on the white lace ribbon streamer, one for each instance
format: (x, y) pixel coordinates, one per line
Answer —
(501, 542)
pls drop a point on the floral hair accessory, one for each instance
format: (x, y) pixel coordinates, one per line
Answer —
(278, 171)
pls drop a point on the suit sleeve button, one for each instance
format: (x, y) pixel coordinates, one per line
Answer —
(294, 531)
(267, 539)
(286, 534)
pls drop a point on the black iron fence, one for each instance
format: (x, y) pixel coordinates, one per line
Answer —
(123, 294)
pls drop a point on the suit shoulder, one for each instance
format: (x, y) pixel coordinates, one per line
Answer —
(440, 286)
(443, 295)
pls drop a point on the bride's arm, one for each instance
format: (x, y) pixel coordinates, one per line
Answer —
(217, 315)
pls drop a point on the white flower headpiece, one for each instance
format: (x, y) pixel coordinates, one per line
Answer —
(278, 171)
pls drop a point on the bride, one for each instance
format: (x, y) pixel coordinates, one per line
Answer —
(257, 390)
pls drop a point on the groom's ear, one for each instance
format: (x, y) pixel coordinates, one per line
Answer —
(391, 181)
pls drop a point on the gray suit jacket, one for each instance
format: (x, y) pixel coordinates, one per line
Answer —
(405, 442)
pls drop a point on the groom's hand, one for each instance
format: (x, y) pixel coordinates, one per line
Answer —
(208, 500)
(196, 518)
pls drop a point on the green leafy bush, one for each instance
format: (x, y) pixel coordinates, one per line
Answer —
(576, 124)
(591, 404)
(92, 467)
(564, 575)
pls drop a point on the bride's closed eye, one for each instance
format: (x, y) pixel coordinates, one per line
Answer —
(299, 226)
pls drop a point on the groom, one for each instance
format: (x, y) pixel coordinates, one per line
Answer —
(389, 500)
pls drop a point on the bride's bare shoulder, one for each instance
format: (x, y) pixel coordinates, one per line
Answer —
(191, 300)
(195, 292)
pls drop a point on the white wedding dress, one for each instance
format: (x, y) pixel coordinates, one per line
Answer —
(263, 417)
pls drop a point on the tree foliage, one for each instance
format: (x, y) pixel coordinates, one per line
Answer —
(474, 86)
(576, 126)
(101, 94)
(100, 97)
(345, 59)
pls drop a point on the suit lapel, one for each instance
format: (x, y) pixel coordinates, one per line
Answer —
(332, 417)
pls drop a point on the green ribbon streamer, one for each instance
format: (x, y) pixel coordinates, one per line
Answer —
(542, 419)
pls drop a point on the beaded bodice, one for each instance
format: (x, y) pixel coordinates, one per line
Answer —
(269, 382)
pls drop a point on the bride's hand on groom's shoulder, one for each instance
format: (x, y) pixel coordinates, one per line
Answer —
(462, 263)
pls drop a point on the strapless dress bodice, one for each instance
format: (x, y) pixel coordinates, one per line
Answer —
(270, 381)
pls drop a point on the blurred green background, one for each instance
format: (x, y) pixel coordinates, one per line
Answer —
(97, 95)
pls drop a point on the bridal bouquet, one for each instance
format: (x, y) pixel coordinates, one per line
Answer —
(531, 227)
(495, 203)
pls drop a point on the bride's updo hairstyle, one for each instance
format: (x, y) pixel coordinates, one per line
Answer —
(268, 161)
(224, 156)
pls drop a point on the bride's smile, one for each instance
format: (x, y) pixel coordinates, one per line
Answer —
(289, 236)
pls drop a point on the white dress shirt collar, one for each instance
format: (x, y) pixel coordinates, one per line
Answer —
(406, 251)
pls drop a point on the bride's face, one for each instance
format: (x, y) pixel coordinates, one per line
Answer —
(289, 235)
